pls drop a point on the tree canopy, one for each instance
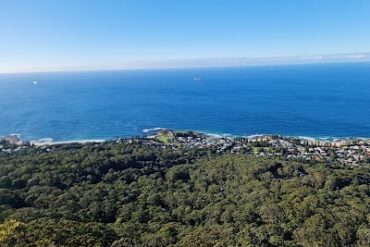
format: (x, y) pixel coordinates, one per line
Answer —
(119, 194)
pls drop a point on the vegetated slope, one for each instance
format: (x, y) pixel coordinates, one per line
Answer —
(115, 194)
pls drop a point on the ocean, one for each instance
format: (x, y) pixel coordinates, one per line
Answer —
(320, 101)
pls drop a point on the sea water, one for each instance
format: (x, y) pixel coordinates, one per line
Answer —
(322, 100)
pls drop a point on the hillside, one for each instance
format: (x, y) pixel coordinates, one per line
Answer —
(120, 194)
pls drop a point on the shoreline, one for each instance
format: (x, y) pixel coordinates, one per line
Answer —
(350, 151)
(49, 142)
(149, 132)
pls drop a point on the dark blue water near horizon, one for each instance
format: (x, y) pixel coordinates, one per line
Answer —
(322, 100)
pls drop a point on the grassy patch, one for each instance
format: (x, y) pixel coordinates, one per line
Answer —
(163, 138)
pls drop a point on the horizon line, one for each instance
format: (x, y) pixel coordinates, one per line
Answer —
(194, 63)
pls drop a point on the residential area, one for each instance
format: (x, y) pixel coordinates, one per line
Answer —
(350, 152)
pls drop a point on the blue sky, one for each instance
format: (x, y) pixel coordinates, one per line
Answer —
(47, 34)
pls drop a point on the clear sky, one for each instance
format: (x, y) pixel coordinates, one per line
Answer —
(51, 33)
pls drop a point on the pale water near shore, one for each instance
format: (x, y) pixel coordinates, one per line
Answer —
(329, 100)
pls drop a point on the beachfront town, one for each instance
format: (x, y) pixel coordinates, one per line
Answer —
(349, 152)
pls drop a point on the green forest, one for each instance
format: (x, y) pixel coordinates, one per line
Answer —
(119, 194)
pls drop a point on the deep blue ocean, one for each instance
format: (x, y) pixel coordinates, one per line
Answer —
(325, 100)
